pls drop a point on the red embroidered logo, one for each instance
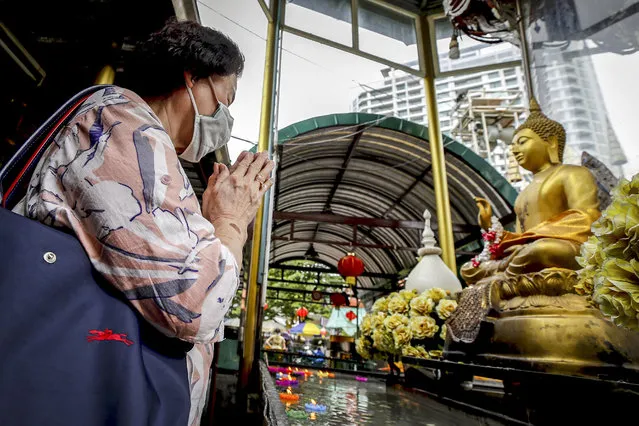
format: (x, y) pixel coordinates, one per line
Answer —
(108, 334)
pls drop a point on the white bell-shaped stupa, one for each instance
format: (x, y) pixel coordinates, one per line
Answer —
(431, 271)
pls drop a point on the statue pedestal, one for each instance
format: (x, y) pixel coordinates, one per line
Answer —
(552, 340)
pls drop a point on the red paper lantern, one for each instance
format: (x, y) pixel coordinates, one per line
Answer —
(350, 315)
(302, 312)
(351, 267)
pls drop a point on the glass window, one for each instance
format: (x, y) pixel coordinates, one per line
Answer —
(584, 135)
(581, 39)
(330, 19)
(470, 81)
(387, 34)
(319, 80)
(378, 99)
(512, 82)
(586, 146)
(246, 109)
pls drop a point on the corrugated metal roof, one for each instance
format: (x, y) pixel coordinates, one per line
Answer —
(386, 176)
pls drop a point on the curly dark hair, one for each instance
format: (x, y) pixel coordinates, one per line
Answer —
(159, 63)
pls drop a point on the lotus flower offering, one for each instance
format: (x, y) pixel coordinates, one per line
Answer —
(314, 407)
(287, 381)
(289, 396)
(296, 372)
(297, 414)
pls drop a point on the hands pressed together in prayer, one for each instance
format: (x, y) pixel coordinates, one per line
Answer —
(233, 196)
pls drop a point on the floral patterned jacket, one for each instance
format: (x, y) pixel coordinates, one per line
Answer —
(113, 178)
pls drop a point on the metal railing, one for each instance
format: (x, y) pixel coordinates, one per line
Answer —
(274, 411)
(341, 365)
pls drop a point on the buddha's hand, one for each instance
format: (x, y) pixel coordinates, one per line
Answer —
(485, 213)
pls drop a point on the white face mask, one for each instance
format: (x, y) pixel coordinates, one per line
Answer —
(210, 132)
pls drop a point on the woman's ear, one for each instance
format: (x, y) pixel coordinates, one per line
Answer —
(189, 80)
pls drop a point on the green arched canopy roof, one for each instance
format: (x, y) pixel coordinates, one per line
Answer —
(372, 166)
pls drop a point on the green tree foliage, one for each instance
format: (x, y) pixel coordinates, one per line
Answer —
(287, 308)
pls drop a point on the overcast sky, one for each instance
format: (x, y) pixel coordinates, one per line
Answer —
(318, 80)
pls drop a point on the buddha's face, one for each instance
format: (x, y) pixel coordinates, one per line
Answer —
(530, 150)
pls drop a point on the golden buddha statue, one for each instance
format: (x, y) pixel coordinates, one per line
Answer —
(554, 212)
(521, 306)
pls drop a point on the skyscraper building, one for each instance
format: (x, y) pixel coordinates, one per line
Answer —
(567, 90)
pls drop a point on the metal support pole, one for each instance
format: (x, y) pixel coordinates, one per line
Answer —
(264, 143)
(355, 23)
(438, 161)
(489, 153)
(525, 53)
(266, 10)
